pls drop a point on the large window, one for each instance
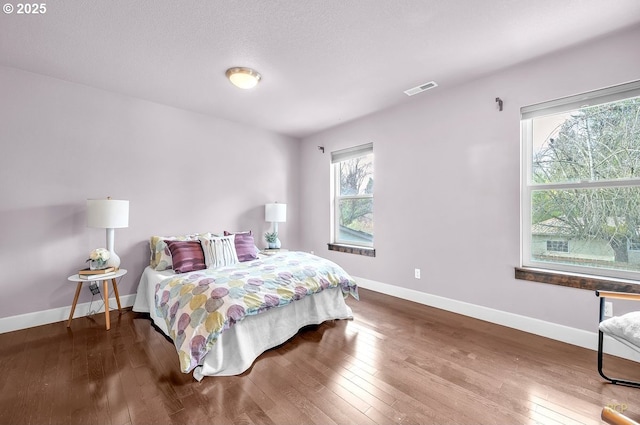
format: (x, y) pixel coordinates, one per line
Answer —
(353, 196)
(581, 183)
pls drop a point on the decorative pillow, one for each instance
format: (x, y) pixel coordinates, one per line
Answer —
(245, 245)
(160, 254)
(219, 251)
(187, 256)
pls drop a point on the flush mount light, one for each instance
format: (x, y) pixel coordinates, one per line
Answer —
(244, 78)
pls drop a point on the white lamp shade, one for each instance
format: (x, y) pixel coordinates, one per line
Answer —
(107, 213)
(275, 213)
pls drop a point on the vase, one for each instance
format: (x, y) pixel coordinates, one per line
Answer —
(97, 264)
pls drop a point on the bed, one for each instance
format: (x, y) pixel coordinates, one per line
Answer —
(221, 318)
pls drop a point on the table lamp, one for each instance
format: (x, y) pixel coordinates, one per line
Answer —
(275, 213)
(108, 214)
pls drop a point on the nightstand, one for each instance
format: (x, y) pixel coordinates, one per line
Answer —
(105, 292)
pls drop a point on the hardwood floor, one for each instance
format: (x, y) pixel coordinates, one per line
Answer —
(397, 362)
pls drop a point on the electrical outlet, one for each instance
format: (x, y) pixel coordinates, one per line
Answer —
(417, 273)
(608, 309)
(94, 288)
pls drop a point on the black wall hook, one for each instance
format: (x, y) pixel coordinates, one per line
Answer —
(499, 103)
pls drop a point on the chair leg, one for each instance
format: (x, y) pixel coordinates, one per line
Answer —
(600, 361)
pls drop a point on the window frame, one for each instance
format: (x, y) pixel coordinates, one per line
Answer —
(554, 244)
(528, 113)
(633, 245)
(336, 158)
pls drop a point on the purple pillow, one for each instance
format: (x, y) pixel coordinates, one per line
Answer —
(245, 245)
(186, 256)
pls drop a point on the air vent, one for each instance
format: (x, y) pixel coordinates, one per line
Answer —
(421, 88)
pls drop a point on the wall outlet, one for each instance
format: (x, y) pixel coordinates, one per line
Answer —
(94, 288)
(417, 273)
(608, 309)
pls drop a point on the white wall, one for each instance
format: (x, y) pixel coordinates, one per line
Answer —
(447, 184)
(182, 172)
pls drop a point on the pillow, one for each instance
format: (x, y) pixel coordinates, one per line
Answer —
(219, 251)
(187, 256)
(160, 254)
(245, 245)
(626, 327)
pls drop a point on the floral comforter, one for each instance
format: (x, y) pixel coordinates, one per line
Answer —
(199, 306)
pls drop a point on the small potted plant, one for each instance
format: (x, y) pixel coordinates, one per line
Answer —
(272, 239)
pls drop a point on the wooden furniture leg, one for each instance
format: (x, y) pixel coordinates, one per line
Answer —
(115, 291)
(105, 285)
(75, 301)
(613, 417)
(105, 288)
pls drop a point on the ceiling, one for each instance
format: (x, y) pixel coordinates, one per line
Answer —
(322, 62)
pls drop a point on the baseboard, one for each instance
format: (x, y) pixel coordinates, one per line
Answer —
(29, 320)
(550, 330)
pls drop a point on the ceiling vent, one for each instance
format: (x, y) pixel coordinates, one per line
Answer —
(421, 88)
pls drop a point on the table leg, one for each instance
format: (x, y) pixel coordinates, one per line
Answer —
(115, 291)
(105, 292)
(75, 301)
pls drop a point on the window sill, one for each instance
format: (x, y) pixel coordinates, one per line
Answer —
(580, 281)
(358, 250)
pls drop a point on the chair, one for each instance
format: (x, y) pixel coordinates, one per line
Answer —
(625, 329)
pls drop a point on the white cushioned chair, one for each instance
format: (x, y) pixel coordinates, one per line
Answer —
(625, 329)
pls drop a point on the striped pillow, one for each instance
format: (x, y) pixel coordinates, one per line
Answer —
(245, 245)
(219, 251)
(187, 256)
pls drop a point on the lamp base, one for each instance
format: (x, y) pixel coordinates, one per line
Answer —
(114, 260)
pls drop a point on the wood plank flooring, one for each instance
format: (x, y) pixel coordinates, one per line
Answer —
(397, 362)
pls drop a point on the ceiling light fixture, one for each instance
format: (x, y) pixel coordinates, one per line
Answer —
(244, 78)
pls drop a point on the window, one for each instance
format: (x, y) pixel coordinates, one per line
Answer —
(558, 246)
(581, 183)
(353, 196)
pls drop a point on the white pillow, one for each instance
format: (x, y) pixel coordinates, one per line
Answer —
(219, 251)
(626, 327)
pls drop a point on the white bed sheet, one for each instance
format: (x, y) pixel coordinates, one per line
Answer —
(238, 347)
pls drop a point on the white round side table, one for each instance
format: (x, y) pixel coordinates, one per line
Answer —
(105, 288)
